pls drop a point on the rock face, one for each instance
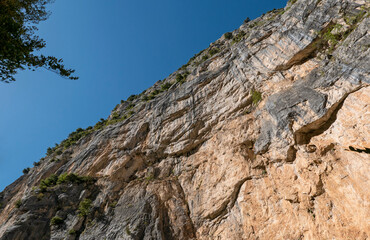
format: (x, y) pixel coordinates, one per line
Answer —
(264, 135)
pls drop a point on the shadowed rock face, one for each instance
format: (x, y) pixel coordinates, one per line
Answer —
(262, 136)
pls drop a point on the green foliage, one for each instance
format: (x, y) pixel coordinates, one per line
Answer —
(84, 207)
(152, 95)
(26, 170)
(354, 19)
(291, 2)
(18, 40)
(115, 115)
(256, 97)
(128, 231)
(72, 232)
(183, 67)
(130, 113)
(56, 221)
(274, 13)
(54, 160)
(330, 37)
(100, 124)
(54, 180)
(239, 37)
(113, 204)
(40, 196)
(48, 182)
(214, 51)
(181, 78)
(18, 203)
(116, 107)
(72, 139)
(205, 57)
(132, 98)
(166, 86)
(49, 151)
(150, 177)
(228, 35)
(73, 178)
(130, 106)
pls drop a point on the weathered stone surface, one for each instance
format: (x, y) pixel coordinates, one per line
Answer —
(208, 159)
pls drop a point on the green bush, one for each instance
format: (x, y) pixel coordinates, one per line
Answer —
(128, 230)
(166, 86)
(48, 182)
(100, 124)
(181, 78)
(239, 37)
(214, 51)
(49, 151)
(113, 204)
(115, 115)
(132, 98)
(18, 203)
(58, 152)
(228, 35)
(56, 221)
(256, 97)
(130, 106)
(40, 196)
(54, 180)
(205, 57)
(54, 160)
(84, 207)
(73, 178)
(26, 170)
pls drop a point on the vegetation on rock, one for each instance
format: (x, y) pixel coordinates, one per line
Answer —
(84, 207)
(56, 221)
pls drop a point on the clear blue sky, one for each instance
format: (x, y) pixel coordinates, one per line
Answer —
(119, 48)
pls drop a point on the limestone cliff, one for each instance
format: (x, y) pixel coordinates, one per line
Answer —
(263, 135)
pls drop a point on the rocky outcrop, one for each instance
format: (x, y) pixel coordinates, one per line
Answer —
(263, 135)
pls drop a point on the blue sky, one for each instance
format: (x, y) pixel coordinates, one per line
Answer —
(118, 48)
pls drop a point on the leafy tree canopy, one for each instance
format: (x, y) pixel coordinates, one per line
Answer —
(18, 41)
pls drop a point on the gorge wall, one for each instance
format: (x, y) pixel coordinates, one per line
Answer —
(263, 135)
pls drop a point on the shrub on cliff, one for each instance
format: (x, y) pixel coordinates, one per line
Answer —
(84, 207)
(56, 221)
(228, 35)
(54, 180)
(18, 203)
(256, 97)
